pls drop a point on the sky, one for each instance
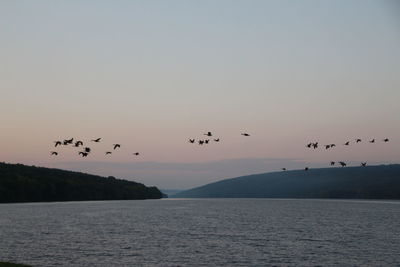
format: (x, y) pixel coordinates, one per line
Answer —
(152, 74)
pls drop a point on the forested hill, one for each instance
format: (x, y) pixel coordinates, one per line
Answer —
(371, 182)
(21, 183)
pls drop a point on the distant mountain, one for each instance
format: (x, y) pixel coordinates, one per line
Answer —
(21, 183)
(170, 192)
(371, 182)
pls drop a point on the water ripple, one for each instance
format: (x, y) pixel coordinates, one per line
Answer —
(202, 232)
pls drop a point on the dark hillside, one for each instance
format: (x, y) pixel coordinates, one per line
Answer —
(21, 183)
(372, 182)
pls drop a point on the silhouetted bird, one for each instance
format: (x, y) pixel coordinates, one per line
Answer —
(342, 164)
(306, 168)
(87, 149)
(96, 140)
(84, 154)
(108, 153)
(332, 163)
(78, 143)
(309, 145)
(216, 140)
(136, 153)
(191, 141)
(358, 140)
(116, 145)
(68, 141)
(57, 143)
(245, 134)
(315, 145)
(327, 146)
(53, 153)
(347, 143)
(206, 141)
(201, 142)
(333, 145)
(208, 134)
(363, 164)
(372, 141)
(385, 140)
(283, 169)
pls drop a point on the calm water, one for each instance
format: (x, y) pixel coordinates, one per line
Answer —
(202, 232)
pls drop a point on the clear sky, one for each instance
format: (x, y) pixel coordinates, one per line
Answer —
(152, 74)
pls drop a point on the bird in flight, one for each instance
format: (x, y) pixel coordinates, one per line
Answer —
(347, 143)
(78, 143)
(309, 145)
(342, 164)
(216, 140)
(332, 163)
(245, 134)
(372, 141)
(53, 153)
(68, 141)
(84, 154)
(363, 164)
(306, 168)
(108, 153)
(327, 146)
(283, 169)
(201, 142)
(191, 141)
(385, 140)
(96, 140)
(333, 145)
(358, 140)
(136, 153)
(87, 149)
(315, 145)
(206, 141)
(57, 143)
(208, 134)
(116, 145)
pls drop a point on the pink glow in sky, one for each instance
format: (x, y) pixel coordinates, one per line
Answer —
(152, 74)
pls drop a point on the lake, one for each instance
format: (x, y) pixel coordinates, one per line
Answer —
(202, 232)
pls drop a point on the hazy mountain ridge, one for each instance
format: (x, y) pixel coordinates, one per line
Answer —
(371, 182)
(21, 183)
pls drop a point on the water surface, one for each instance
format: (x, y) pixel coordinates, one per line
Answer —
(202, 232)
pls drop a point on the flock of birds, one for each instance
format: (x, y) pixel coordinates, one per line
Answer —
(314, 145)
(85, 150)
(207, 141)
(358, 140)
(311, 145)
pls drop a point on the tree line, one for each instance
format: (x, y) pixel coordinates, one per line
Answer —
(21, 183)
